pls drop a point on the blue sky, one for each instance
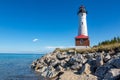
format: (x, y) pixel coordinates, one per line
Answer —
(40, 25)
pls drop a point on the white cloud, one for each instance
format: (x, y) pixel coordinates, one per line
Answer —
(35, 40)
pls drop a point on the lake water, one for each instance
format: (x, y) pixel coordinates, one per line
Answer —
(17, 67)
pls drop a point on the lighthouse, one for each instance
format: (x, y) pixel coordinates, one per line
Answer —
(82, 39)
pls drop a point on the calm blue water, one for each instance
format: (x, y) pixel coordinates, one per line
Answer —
(17, 66)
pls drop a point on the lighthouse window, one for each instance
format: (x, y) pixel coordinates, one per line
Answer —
(82, 23)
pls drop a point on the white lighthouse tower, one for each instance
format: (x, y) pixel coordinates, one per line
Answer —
(82, 21)
(82, 39)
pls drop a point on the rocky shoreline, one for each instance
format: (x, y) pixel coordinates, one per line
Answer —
(71, 65)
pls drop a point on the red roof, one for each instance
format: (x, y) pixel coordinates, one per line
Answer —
(81, 36)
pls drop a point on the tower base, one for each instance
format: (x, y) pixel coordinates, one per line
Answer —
(81, 47)
(82, 40)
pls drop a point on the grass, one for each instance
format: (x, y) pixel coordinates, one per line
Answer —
(105, 48)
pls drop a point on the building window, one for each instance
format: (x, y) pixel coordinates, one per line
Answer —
(81, 41)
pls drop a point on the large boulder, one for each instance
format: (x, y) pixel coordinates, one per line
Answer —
(40, 69)
(59, 68)
(85, 69)
(117, 50)
(107, 57)
(71, 61)
(112, 74)
(61, 56)
(76, 66)
(99, 59)
(90, 55)
(93, 65)
(49, 72)
(63, 64)
(47, 60)
(112, 52)
(33, 65)
(77, 58)
(53, 62)
(80, 58)
(67, 59)
(116, 63)
(118, 54)
(101, 71)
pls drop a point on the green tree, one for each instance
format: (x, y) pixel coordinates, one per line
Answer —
(112, 41)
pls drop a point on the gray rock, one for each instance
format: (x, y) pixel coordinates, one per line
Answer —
(85, 69)
(90, 55)
(117, 50)
(93, 65)
(64, 53)
(71, 61)
(114, 56)
(41, 69)
(33, 65)
(112, 74)
(67, 59)
(112, 52)
(118, 54)
(109, 66)
(49, 72)
(107, 57)
(47, 60)
(61, 56)
(87, 64)
(99, 60)
(77, 58)
(76, 66)
(101, 71)
(71, 51)
(116, 63)
(84, 55)
(59, 68)
(83, 59)
(55, 63)
(63, 64)
(111, 61)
